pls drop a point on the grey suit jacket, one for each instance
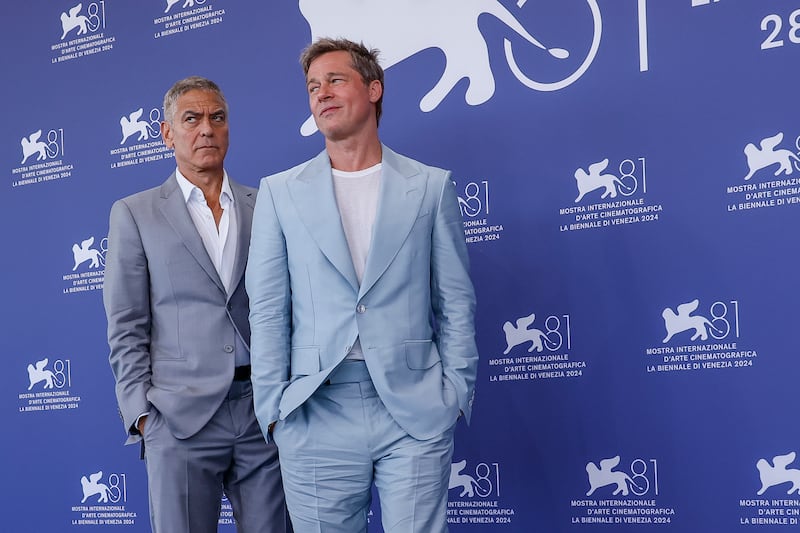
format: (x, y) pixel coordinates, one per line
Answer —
(172, 327)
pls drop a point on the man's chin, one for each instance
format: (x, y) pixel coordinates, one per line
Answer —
(207, 165)
(332, 133)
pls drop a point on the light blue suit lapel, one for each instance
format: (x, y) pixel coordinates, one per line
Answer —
(177, 214)
(244, 203)
(401, 193)
(313, 196)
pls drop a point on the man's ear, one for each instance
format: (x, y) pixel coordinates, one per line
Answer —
(166, 134)
(375, 89)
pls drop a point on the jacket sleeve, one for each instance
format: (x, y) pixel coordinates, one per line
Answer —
(126, 297)
(268, 286)
(453, 298)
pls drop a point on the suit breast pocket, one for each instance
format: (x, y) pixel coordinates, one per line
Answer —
(187, 281)
(422, 228)
(423, 218)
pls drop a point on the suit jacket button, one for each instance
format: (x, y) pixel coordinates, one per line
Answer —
(361, 308)
(228, 348)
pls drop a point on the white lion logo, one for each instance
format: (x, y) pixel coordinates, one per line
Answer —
(603, 476)
(683, 320)
(187, 3)
(84, 253)
(72, 20)
(131, 124)
(465, 481)
(766, 155)
(37, 373)
(32, 145)
(91, 487)
(521, 333)
(775, 475)
(594, 179)
(402, 28)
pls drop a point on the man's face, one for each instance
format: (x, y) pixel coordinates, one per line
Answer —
(340, 102)
(198, 133)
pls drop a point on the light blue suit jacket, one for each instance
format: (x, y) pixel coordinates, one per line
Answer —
(413, 312)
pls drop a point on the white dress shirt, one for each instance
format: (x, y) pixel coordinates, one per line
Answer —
(220, 242)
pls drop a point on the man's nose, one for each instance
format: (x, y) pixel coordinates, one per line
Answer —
(205, 126)
(323, 92)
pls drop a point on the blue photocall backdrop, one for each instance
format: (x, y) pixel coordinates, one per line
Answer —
(628, 177)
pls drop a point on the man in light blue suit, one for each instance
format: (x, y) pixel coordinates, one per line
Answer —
(179, 333)
(362, 314)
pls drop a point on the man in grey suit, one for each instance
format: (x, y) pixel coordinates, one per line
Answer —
(178, 330)
(361, 313)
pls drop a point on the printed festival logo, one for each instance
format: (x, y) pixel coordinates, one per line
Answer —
(684, 320)
(141, 139)
(469, 485)
(596, 178)
(111, 489)
(622, 492)
(724, 320)
(522, 332)
(104, 501)
(773, 175)
(88, 266)
(604, 476)
(48, 386)
(33, 145)
(96, 257)
(536, 351)
(39, 373)
(81, 34)
(60, 377)
(778, 476)
(452, 27)
(609, 194)
(92, 486)
(775, 473)
(767, 154)
(132, 124)
(72, 19)
(473, 201)
(699, 337)
(42, 158)
(478, 495)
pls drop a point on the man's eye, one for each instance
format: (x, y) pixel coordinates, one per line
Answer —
(312, 90)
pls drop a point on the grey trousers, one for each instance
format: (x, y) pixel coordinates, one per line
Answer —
(186, 477)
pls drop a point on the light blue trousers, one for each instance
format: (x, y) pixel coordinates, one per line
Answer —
(343, 439)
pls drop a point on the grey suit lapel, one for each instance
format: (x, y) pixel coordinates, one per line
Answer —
(401, 193)
(313, 196)
(243, 202)
(177, 214)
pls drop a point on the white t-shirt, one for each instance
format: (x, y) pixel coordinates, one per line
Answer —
(357, 199)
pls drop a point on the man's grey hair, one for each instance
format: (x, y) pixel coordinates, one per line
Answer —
(185, 85)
